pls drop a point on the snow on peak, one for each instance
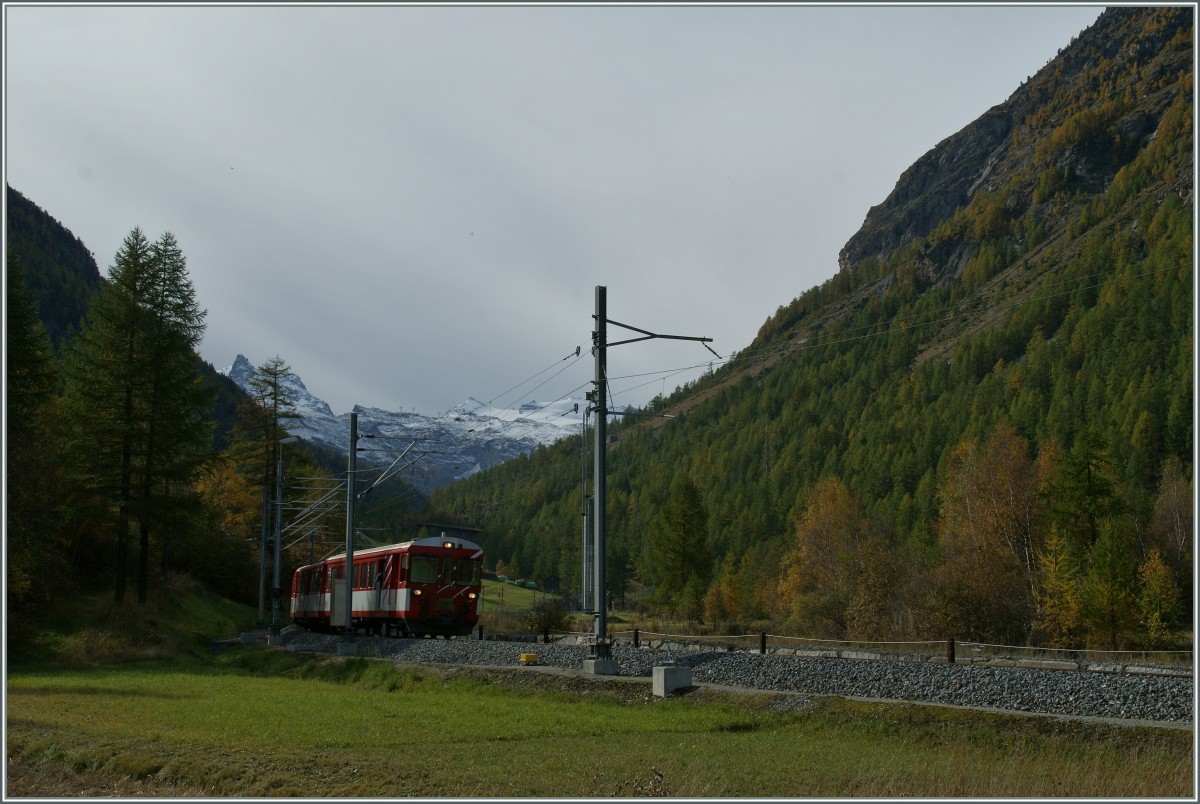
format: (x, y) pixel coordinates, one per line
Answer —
(466, 439)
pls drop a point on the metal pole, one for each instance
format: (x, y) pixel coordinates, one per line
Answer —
(599, 482)
(278, 539)
(586, 582)
(262, 557)
(351, 468)
(589, 576)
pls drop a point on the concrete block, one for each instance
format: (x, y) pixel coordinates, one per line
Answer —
(1148, 670)
(248, 637)
(813, 653)
(274, 639)
(1047, 664)
(347, 649)
(668, 678)
(601, 667)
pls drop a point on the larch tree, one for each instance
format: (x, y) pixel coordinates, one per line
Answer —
(1082, 493)
(679, 561)
(1158, 598)
(1058, 606)
(135, 403)
(262, 420)
(1109, 590)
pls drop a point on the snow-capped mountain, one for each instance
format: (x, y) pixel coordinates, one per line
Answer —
(465, 440)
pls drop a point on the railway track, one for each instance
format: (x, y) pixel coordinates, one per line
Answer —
(1124, 698)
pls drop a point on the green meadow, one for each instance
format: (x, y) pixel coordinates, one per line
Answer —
(104, 700)
(257, 721)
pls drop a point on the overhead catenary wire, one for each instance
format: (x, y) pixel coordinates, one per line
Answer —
(576, 354)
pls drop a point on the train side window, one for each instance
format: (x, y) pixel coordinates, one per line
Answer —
(403, 568)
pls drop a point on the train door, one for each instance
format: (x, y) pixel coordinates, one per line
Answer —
(383, 580)
(337, 598)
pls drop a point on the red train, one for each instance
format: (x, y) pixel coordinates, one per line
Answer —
(423, 587)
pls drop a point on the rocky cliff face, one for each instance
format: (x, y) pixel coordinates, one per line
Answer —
(1086, 115)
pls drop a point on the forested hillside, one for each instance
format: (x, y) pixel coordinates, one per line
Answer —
(61, 273)
(981, 426)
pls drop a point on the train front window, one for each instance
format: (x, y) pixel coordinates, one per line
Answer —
(468, 571)
(424, 569)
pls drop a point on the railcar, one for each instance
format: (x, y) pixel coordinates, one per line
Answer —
(426, 587)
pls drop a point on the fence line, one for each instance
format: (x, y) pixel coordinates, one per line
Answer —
(760, 634)
(931, 648)
(1183, 657)
(1142, 652)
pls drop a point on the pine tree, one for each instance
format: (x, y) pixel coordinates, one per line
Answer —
(135, 404)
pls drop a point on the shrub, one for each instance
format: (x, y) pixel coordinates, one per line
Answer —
(546, 615)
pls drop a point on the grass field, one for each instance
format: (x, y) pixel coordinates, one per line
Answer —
(126, 701)
(506, 597)
(257, 721)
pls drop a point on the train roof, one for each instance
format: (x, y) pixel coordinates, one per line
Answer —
(452, 542)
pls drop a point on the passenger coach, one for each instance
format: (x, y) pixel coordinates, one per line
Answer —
(423, 587)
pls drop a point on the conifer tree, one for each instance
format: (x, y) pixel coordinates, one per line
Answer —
(1058, 592)
(679, 559)
(1083, 492)
(263, 417)
(1108, 599)
(135, 404)
(1158, 598)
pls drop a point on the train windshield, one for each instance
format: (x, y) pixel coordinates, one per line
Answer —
(424, 569)
(468, 572)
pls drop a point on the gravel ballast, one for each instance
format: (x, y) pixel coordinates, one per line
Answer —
(1057, 692)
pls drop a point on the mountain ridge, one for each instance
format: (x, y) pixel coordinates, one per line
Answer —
(466, 439)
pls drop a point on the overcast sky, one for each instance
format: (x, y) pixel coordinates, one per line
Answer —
(413, 205)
